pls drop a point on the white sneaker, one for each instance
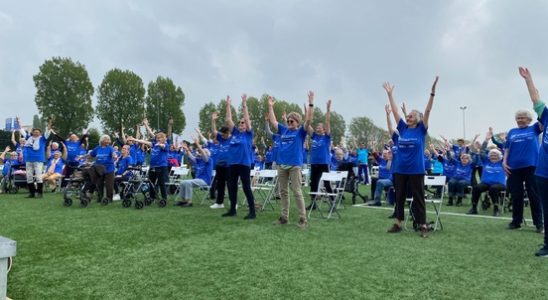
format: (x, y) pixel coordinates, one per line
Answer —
(116, 197)
(215, 206)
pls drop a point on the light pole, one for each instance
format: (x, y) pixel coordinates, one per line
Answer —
(463, 108)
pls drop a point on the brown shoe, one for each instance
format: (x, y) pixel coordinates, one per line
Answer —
(424, 231)
(280, 221)
(394, 229)
(303, 224)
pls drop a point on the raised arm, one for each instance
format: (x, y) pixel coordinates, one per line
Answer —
(533, 92)
(267, 126)
(328, 117)
(203, 154)
(246, 113)
(170, 128)
(428, 108)
(403, 109)
(388, 121)
(122, 134)
(145, 142)
(200, 135)
(65, 151)
(229, 120)
(13, 141)
(150, 132)
(389, 89)
(310, 110)
(214, 117)
(271, 115)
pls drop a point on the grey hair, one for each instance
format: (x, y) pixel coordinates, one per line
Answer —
(526, 113)
(465, 155)
(497, 152)
(418, 115)
(104, 138)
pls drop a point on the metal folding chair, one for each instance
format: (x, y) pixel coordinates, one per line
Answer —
(431, 181)
(336, 181)
(264, 186)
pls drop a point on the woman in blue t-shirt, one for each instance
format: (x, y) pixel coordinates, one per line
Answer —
(290, 159)
(222, 169)
(240, 159)
(520, 160)
(104, 155)
(320, 144)
(34, 151)
(541, 171)
(409, 167)
(493, 180)
(461, 179)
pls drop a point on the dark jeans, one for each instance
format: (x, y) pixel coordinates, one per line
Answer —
(243, 173)
(158, 176)
(416, 185)
(494, 191)
(316, 171)
(221, 179)
(362, 169)
(373, 186)
(477, 170)
(542, 184)
(268, 166)
(515, 184)
(456, 187)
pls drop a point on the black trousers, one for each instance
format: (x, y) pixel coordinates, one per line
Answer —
(416, 185)
(494, 191)
(515, 184)
(241, 172)
(316, 171)
(221, 180)
(158, 177)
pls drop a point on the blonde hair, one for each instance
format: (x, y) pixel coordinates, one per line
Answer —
(295, 116)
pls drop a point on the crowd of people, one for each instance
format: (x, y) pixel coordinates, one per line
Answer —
(508, 164)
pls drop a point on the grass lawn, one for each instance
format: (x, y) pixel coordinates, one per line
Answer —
(192, 253)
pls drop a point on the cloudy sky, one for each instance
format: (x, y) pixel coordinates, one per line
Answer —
(342, 49)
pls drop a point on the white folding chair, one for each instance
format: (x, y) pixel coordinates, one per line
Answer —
(264, 186)
(431, 181)
(336, 181)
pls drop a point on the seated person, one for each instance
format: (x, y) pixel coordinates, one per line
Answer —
(493, 179)
(55, 166)
(122, 174)
(10, 160)
(384, 180)
(203, 173)
(461, 179)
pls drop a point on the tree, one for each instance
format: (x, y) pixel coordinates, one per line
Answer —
(38, 123)
(121, 100)
(63, 92)
(93, 139)
(205, 117)
(362, 130)
(338, 127)
(164, 101)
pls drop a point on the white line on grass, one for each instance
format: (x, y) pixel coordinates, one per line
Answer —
(529, 221)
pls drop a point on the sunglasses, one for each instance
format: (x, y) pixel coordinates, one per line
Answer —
(291, 121)
(242, 122)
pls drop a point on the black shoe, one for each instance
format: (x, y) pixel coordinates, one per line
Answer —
(450, 202)
(374, 203)
(459, 201)
(513, 226)
(496, 212)
(186, 204)
(39, 195)
(250, 217)
(542, 252)
(182, 203)
(229, 214)
(540, 228)
(472, 211)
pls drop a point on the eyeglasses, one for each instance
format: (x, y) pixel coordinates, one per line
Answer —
(242, 122)
(291, 121)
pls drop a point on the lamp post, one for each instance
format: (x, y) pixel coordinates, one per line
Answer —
(463, 108)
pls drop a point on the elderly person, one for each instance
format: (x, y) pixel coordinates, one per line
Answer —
(541, 171)
(34, 153)
(520, 160)
(240, 159)
(222, 136)
(320, 142)
(384, 180)
(55, 166)
(204, 171)
(290, 159)
(123, 172)
(461, 179)
(409, 170)
(104, 156)
(493, 180)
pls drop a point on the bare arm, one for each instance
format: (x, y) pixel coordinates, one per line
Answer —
(13, 141)
(388, 121)
(267, 126)
(428, 108)
(328, 118)
(229, 120)
(271, 115)
(214, 117)
(533, 92)
(140, 141)
(145, 122)
(170, 128)
(246, 113)
(389, 89)
(65, 151)
(309, 111)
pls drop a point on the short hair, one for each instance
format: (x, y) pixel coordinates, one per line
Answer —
(104, 137)
(295, 116)
(497, 152)
(523, 112)
(160, 134)
(418, 115)
(223, 129)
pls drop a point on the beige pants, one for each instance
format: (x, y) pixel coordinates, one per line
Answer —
(284, 176)
(51, 179)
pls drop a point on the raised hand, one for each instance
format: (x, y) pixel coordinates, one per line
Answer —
(310, 97)
(329, 104)
(434, 85)
(145, 121)
(170, 121)
(388, 88)
(387, 109)
(244, 99)
(214, 116)
(228, 101)
(270, 101)
(524, 72)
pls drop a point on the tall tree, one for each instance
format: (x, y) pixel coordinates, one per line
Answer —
(164, 101)
(205, 117)
(363, 130)
(63, 92)
(121, 100)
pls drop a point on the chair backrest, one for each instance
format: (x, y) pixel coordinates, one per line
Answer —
(267, 173)
(434, 180)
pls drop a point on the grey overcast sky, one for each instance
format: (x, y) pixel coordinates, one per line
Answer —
(341, 49)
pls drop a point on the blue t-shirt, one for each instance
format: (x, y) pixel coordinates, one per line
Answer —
(203, 169)
(275, 147)
(73, 150)
(240, 147)
(319, 148)
(268, 158)
(137, 154)
(437, 167)
(449, 168)
(291, 145)
(384, 172)
(493, 173)
(410, 149)
(522, 145)
(223, 151)
(542, 163)
(158, 155)
(427, 162)
(31, 155)
(58, 167)
(463, 172)
(122, 164)
(363, 155)
(103, 156)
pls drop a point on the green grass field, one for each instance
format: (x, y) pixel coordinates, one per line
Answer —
(192, 253)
